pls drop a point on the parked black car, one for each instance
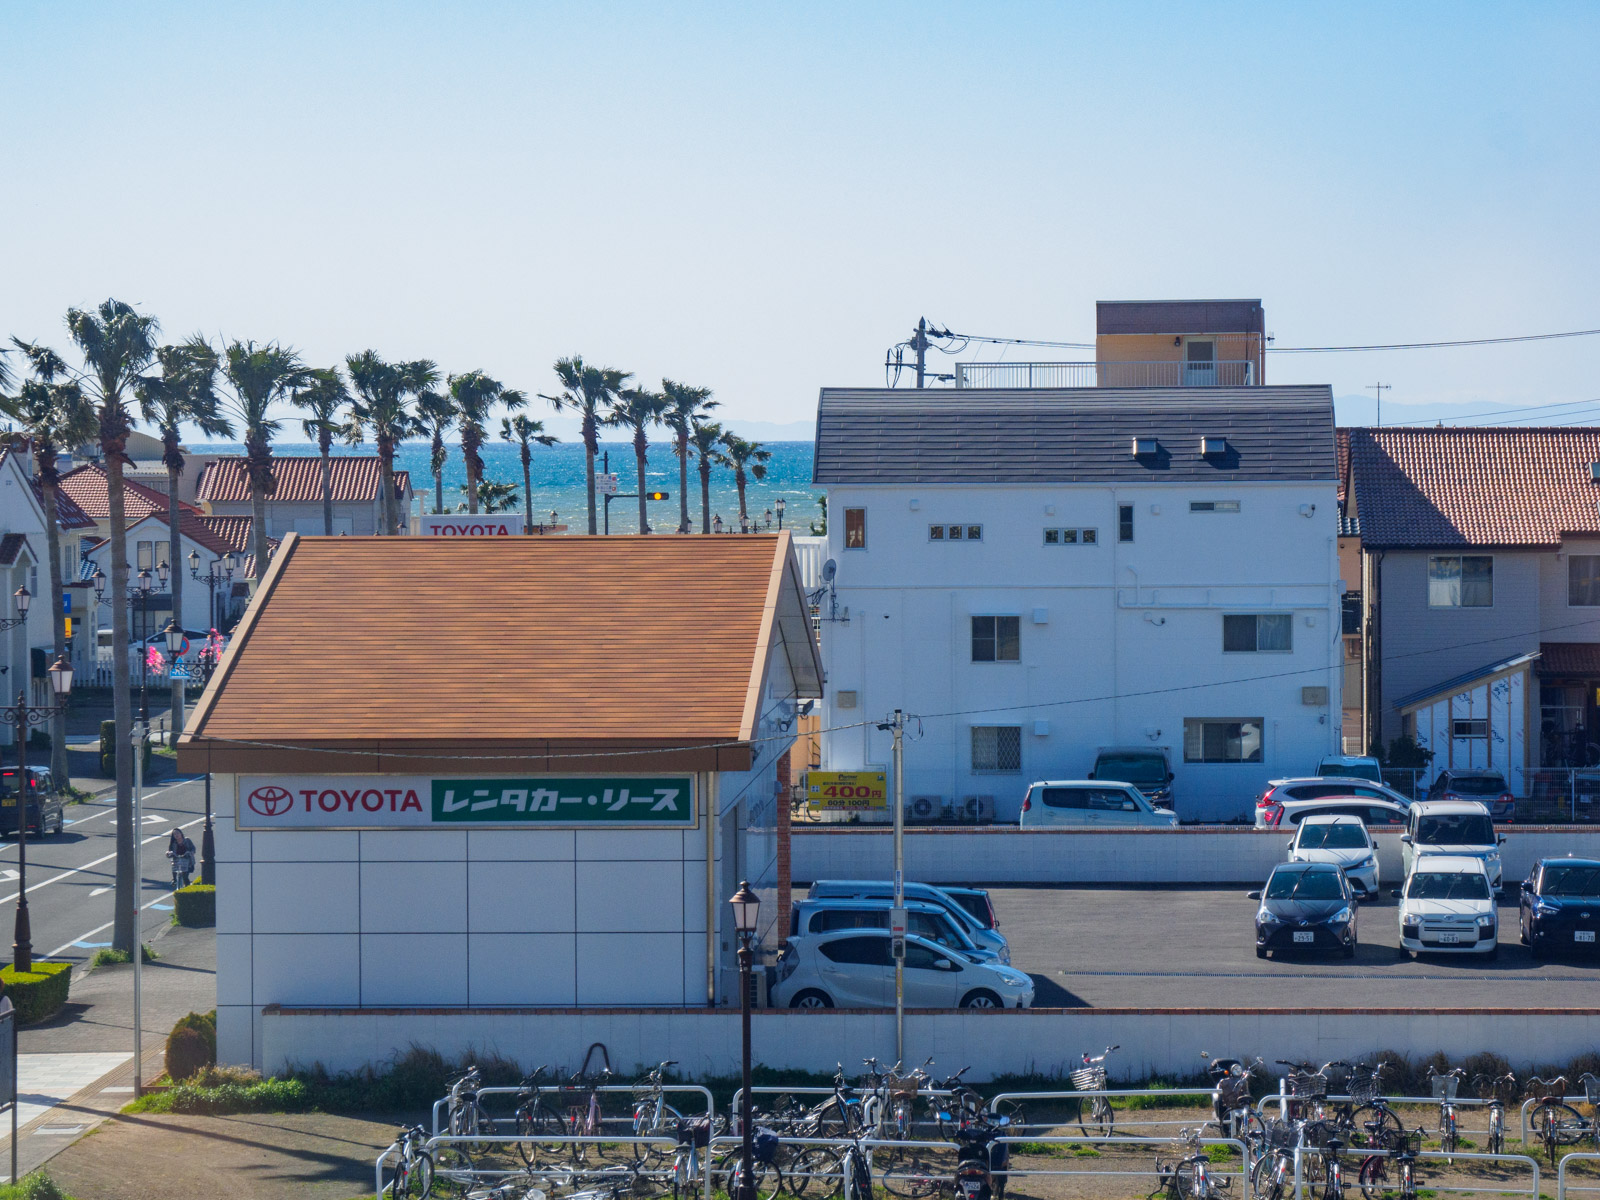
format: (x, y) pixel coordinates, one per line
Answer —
(1561, 905)
(1306, 906)
(47, 813)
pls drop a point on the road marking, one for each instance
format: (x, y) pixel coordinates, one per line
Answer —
(107, 807)
(162, 907)
(91, 945)
(99, 891)
(103, 858)
(62, 949)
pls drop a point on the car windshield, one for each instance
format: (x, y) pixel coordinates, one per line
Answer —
(1571, 881)
(1343, 836)
(1447, 885)
(1304, 885)
(1477, 785)
(1350, 771)
(1141, 770)
(1456, 829)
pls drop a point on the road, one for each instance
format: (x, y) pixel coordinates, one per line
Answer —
(1168, 947)
(72, 875)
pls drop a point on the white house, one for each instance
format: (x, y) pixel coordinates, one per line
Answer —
(1037, 574)
(296, 503)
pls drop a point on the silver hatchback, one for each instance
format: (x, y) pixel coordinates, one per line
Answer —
(851, 968)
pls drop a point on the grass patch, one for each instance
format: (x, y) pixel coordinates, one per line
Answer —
(1136, 1103)
(35, 1186)
(1085, 1152)
(1219, 1154)
(109, 956)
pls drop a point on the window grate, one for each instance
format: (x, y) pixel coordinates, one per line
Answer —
(997, 749)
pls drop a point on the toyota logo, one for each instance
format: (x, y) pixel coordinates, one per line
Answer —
(269, 801)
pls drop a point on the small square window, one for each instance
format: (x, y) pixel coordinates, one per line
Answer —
(996, 639)
(1052, 537)
(936, 533)
(996, 749)
(1069, 537)
(1089, 537)
(974, 533)
(954, 534)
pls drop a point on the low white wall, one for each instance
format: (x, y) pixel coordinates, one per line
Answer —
(1196, 854)
(706, 1041)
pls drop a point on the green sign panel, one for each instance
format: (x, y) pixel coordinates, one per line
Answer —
(547, 800)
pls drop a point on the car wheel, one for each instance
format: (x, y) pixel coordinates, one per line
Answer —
(981, 998)
(1350, 950)
(811, 998)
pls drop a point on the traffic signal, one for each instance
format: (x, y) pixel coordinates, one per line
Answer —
(658, 495)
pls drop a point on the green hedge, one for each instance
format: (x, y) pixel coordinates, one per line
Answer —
(196, 904)
(38, 994)
(108, 749)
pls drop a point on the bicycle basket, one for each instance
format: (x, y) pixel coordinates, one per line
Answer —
(1548, 1089)
(1444, 1087)
(904, 1086)
(764, 1145)
(695, 1133)
(1413, 1143)
(1281, 1135)
(1089, 1079)
(1364, 1089)
(1591, 1090)
(1304, 1085)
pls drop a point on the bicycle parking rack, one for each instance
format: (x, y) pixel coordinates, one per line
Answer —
(840, 1144)
(1561, 1173)
(1109, 1093)
(861, 1093)
(558, 1090)
(1531, 1101)
(510, 1142)
(1355, 1154)
(1245, 1192)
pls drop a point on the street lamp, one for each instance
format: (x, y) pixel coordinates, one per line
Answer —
(746, 909)
(19, 716)
(779, 505)
(744, 523)
(143, 592)
(24, 598)
(716, 523)
(212, 577)
(766, 518)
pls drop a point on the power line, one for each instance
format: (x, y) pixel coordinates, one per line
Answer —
(1491, 341)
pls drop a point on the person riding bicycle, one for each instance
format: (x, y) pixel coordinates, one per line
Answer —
(181, 850)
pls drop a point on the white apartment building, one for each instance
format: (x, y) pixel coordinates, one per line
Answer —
(1037, 574)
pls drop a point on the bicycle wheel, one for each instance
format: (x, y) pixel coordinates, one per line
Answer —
(1386, 1136)
(1180, 1184)
(910, 1175)
(1099, 1119)
(1375, 1176)
(534, 1123)
(1016, 1114)
(452, 1172)
(1264, 1184)
(816, 1173)
(646, 1121)
(1557, 1125)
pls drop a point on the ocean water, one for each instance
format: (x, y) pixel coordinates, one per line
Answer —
(558, 481)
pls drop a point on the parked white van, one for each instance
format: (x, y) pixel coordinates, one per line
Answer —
(1447, 907)
(1451, 827)
(1092, 802)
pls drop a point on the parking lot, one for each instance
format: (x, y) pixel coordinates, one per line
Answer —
(1182, 947)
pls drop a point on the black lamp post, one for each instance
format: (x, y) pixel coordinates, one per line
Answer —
(220, 571)
(779, 505)
(716, 523)
(744, 523)
(746, 909)
(19, 716)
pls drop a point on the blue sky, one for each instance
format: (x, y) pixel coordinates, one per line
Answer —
(762, 198)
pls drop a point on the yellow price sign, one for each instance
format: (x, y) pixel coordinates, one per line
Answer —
(847, 789)
(69, 626)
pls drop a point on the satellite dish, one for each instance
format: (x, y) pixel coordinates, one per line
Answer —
(829, 570)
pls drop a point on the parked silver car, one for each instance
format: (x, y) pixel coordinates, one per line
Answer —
(851, 968)
(882, 889)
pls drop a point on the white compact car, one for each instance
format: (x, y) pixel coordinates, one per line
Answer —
(1447, 907)
(1451, 827)
(1094, 802)
(1342, 841)
(851, 968)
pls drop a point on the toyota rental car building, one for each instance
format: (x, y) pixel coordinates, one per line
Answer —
(508, 773)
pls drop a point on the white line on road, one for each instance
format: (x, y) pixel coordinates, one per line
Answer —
(106, 810)
(32, 888)
(65, 946)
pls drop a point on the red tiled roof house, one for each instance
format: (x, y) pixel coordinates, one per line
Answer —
(296, 504)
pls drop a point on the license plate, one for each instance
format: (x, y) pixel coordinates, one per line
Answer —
(1583, 935)
(8, 802)
(1304, 937)
(1449, 939)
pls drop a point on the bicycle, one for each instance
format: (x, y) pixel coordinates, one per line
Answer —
(465, 1116)
(535, 1119)
(1091, 1077)
(584, 1119)
(182, 870)
(1445, 1084)
(1496, 1089)
(1374, 1181)
(1555, 1122)
(1332, 1168)
(1189, 1178)
(1373, 1124)
(1231, 1109)
(412, 1172)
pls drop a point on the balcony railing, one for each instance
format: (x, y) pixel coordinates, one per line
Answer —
(1227, 373)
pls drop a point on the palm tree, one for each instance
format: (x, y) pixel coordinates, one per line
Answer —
(686, 405)
(436, 413)
(584, 389)
(706, 439)
(323, 395)
(52, 416)
(258, 378)
(475, 394)
(745, 455)
(185, 390)
(382, 392)
(493, 497)
(638, 409)
(117, 343)
(522, 432)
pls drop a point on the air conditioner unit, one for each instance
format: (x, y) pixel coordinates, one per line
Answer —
(976, 809)
(926, 809)
(760, 984)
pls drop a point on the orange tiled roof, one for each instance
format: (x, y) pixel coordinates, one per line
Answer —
(88, 488)
(1474, 487)
(299, 479)
(610, 641)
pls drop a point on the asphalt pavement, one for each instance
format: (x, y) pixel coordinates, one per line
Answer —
(1170, 947)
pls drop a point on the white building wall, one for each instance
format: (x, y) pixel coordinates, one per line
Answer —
(350, 517)
(1120, 642)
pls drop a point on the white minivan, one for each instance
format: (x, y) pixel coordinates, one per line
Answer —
(1091, 802)
(1448, 907)
(1453, 827)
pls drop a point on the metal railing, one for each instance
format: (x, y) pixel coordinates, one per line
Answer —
(1176, 373)
(1302, 1152)
(858, 1093)
(1532, 1101)
(555, 1091)
(1561, 1172)
(1108, 1093)
(1562, 794)
(1243, 1173)
(480, 1140)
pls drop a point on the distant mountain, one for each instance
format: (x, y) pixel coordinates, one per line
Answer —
(1362, 410)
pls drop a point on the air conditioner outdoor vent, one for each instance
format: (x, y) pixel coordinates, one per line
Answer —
(927, 808)
(976, 808)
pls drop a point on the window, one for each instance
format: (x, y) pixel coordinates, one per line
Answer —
(955, 533)
(858, 951)
(922, 958)
(997, 749)
(1214, 506)
(855, 529)
(1075, 798)
(161, 554)
(1124, 522)
(1473, 727)
(1218, 740)
(1460, 581)
(1071, 537)
(1111, 800)
(143, 557)
(996, 639)
(1583, 581)
(1258, 633)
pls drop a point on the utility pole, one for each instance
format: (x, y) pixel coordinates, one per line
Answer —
(921, 344)
(897, 915)
(1378, 389)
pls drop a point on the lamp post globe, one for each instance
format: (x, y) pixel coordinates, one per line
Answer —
(194, 563)
(780, 504)
(746, 907)
(61, 677)
(24, 600)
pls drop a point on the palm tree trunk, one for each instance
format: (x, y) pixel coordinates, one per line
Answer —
(644, 517)
(683, 486)
(258, 531)
(386, 482)
(744, 515)
(175, 568)
(123, 931)
(527, 490)
(58, 623)
(591, 446)
(705, 496)
(327, 492)
(469, 451)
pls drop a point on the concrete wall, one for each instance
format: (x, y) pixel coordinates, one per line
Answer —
(1002, 855)
(706, 1041)
(1120, 642)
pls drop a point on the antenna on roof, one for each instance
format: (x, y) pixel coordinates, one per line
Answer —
(1379, 389)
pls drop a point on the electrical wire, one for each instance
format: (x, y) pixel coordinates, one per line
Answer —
(1491, 341)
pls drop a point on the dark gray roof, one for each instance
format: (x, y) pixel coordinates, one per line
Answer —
(1072, 435)
(1179, 316)
(1459, 681)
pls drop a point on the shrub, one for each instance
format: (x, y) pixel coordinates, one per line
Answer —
(187, 1053)
(40, 993)
(196, 905)
(36, 1186)
(39, 739)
